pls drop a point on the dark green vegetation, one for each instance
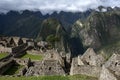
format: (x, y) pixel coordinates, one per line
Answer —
(101, 31)
(2, 55)
(29, 23)
(109, 49)
(76, 77)
(49, 27)
(32, 57)
(13, 70)
(52, 39)
(92, 29)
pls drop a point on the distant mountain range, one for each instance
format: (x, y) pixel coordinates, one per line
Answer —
(28, 23)
(76, 31)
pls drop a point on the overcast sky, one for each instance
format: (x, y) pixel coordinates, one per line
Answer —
(55, 5)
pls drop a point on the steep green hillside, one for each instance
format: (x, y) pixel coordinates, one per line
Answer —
(109, 49)
(23, 25)
(53, 32)
(101, 28)
(49, 27)
(27, 27)
(28, 23)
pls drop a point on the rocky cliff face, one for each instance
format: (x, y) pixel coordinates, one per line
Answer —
(98, 30)
(101, 28)
(28, 23)
(53, 32)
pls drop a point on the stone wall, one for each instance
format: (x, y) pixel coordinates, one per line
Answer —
(88, 64)
(84, 69)
(19, 50)
(91, 58)
(54, 55)
(6, 57)
(5, 49)
(46, 67)
(111, 69)
(106, 74)
(22, 72)
(25, 62)
(52, 65)
(4, 66)
(34, 52)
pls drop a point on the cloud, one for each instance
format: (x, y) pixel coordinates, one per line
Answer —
(55, 5)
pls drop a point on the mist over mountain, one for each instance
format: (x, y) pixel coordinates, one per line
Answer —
(48, 6)
(65, 39)
(76, 31)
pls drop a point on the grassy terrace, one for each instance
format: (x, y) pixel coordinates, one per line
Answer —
(2, 55)
(32, 57)
(76, 77)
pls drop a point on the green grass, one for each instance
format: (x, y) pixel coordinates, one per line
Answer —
(13, 70)
(76, 77)
(32, 57)
(2, 55)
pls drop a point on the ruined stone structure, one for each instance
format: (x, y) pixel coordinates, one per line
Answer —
(54, 63)
(106, 74)
(25, 62)
(42, 43)
(19, 50)
(88, 64)
(51, 65)
(18, 41)
(8, 41)
(5, 65)
(95, 65)
(5, 49)
(54, 55)
(34, 52)
(30, 43)
(9, 63)
(8, 44)
(111, 69)
(91, 58)
(81, 68)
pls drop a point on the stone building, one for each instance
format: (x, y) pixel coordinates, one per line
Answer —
(106, 74)
(81, 68)
(5, 65)
(111, 69)
(51, 65)
(5, 49)
(88, 64)
(91, 58)
(11, 43)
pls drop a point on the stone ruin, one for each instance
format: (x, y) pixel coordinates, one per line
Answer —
(94, 65)
(111, 69)
(44, 67)
(17, 45)
(8, 43)
(51, 65)
(9, 63)
(88, 64)
(54, 63)
(5, 65)
(5, 49)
